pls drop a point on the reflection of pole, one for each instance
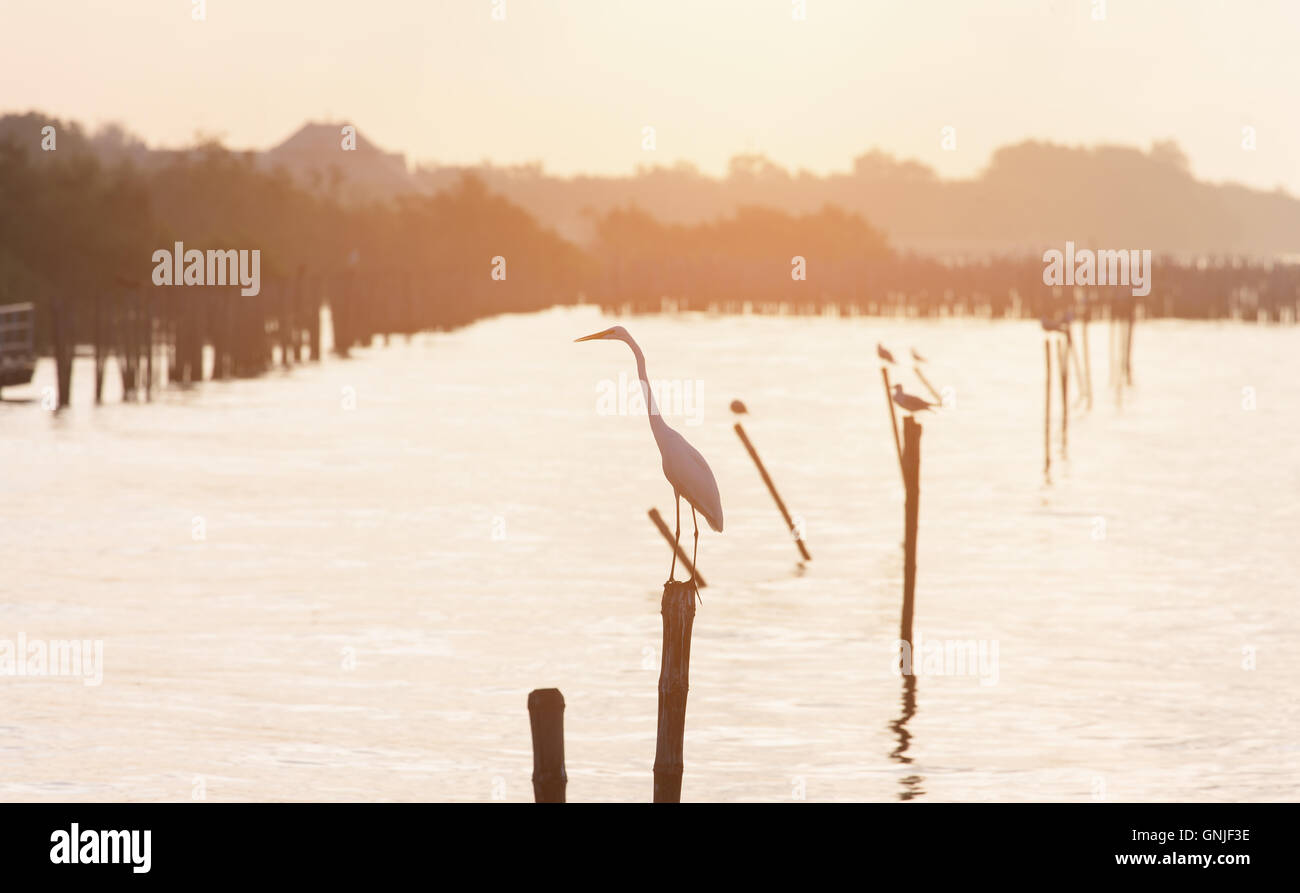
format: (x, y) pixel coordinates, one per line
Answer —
(681, 553)
(911, 784)
(893, 420)
(771, 487)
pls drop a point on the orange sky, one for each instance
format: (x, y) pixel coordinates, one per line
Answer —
(571, 83)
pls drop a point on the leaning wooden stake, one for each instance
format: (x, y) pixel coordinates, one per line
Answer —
(678, 609)
(911, 516)
(771, 488)
(929, 387)
(893, 420)
(1047, 408)
(681, 553)
(546, 716)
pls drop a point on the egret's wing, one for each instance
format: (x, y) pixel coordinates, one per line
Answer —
(691, 476)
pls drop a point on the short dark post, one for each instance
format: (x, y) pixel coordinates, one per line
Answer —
(546, 716)
(678, 609)
(893, 420)
(1047, 408)
(911, 517)
(771, 487)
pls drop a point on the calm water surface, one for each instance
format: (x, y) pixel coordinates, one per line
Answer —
(380, 587)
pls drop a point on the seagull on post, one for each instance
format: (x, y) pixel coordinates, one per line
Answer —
(884, 354)
(909, 402)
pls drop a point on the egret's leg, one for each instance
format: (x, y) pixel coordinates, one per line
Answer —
(677, 536)
(696, 550)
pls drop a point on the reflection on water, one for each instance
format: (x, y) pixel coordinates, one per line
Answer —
(396, 549)
(911, 784)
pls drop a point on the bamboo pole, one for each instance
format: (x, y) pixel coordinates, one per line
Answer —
(893, 421)
(546, 718)
(678, 609)
(771, 488)
(911, 519)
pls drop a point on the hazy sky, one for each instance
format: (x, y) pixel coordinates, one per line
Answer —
(571, 83)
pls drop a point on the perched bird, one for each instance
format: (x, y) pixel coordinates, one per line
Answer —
(884, 354)
(909, 402)
(916, 356)
(686, 470)
(738, 408)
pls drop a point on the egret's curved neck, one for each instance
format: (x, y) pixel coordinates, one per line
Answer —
(657, 424)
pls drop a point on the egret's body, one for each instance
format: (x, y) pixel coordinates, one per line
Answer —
(916, 356)
(686, 470)
(883, 353)
(909, 402)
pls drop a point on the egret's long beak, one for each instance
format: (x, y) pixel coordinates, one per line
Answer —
(593, 336)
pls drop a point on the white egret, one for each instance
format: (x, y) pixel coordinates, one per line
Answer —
(884, 354)
(916, 356)
(909, 402)
(683, 465)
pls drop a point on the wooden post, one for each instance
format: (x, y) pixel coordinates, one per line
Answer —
(1063, 362)
(546, 716)
(678, 609)
(148, 340)
(893, 421)
(681, 553)
(771, 488)
(911, 517)
(313, 315)
(97, 324)
(63, 336)
(1047, 408)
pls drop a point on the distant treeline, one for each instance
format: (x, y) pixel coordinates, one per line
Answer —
(79, 225)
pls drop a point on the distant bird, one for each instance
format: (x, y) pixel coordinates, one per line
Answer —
(683, 465)
(884, 354)
(909, 402)
(916, 356)
(738, 408)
